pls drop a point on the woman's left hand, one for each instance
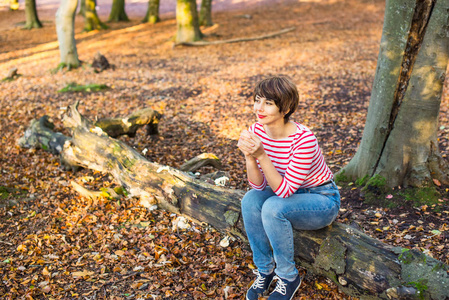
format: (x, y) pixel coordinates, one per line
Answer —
(251, 144)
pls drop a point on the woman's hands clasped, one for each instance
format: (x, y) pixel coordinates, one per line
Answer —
(250, 144)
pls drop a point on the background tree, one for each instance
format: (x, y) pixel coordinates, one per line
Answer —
(118, 11)
(91, 19)
(188, 29)
(65, 29)
(32, 21)
(152, 15)
(206, 13)
(82, 11)
(400, 137)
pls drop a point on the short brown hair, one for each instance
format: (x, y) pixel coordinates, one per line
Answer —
(282, 91)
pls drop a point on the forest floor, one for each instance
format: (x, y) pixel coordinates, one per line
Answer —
(55, 244)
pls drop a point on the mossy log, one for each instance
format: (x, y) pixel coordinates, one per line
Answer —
(360, 265)
(40, 134)
(202, 160)
(129, 125)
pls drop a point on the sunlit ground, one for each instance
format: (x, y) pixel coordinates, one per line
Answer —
(203, 92)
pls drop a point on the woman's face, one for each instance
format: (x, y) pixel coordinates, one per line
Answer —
(267, 112)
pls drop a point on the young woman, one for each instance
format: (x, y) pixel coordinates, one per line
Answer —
(292, 187)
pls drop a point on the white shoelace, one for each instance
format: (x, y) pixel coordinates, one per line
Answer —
(259, 282)
(280, 286)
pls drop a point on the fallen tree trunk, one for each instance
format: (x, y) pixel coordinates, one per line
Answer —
(205, 159)
(115, 127)
(360, 265)
(246, 39)
(40, 133)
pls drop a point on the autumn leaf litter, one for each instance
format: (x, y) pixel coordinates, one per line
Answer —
(56, 244)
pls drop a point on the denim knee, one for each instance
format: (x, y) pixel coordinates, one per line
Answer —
(254, 199)
(272, 209)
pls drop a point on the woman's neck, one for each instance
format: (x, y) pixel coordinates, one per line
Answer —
(280, 131)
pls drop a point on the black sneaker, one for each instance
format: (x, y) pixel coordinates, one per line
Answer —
(285, 289)
(259, 286)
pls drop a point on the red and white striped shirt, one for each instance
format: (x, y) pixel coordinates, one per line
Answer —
(297, 158)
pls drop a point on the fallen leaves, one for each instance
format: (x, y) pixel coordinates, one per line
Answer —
(56, 244)
(82, 274)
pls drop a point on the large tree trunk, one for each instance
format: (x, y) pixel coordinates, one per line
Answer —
(65, 29)
(152, 15)
(91, 19)
(32, 21)
(400, 137)
(118, 11)
(188, 29)
(206, 13)
(360, 265)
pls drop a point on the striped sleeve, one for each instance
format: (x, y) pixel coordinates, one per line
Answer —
(300, 165)
(259, 187)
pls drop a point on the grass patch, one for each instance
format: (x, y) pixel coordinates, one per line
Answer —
(8, 79)
(74, 87)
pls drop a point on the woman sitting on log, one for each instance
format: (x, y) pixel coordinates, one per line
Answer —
(292, 187)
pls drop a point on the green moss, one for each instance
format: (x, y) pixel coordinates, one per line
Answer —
(74, 87)
(406, 257)
(62, 66)
(362, 181)
(377, 181)
(340, 177)
(121, 190)
(4, 192)
(421, 196)
(129, 163)
(231, 217)
(438, 267)
(8, 79)
(375, 190)
(421, 286)
(7, 192)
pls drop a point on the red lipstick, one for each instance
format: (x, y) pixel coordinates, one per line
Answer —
(260, 116)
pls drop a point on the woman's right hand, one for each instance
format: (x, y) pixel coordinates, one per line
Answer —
(250, 144)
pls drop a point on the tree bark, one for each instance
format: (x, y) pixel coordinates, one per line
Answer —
(400, 137)
(360, 265)
(188, 29)
(82, 11)
(152, 15)
(118, 11)
(206, 13)
(92, 21)
(65, 29)
(32, 20)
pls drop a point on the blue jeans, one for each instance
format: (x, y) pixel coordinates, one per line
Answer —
(269, 221)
